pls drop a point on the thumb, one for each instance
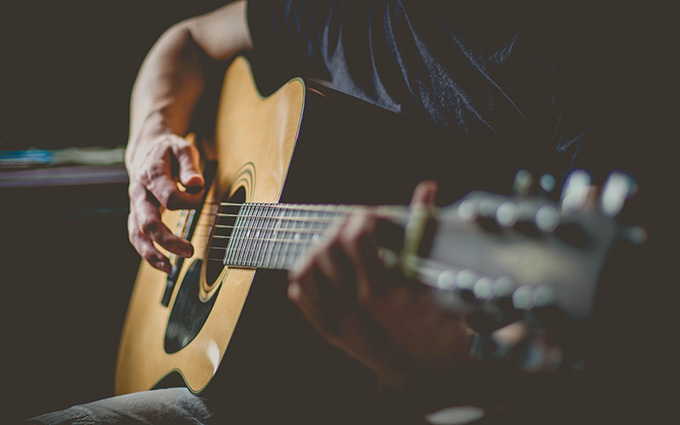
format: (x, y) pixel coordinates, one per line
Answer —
(424, 194)
(188, 159)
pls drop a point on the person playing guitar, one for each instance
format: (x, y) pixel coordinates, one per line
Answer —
(502, 89)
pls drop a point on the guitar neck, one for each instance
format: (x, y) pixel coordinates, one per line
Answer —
(274, 236)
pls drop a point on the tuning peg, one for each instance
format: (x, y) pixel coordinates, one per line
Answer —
(524, 182)
(547, 183)
(618, 188)
(465, 283)
(576, 191)
(523, 298)
(636, 235)
(507, 214)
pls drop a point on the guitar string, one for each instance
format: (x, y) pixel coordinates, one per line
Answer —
(296, 207)
(394, 211)
(271, 212)
(274, 218)
(270, 245)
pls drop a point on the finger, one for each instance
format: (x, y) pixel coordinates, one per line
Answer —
(156, 175)
(189, 171)
(145, 247)
(335, 265)
(315, 280)
(161, 184)
(424, 194)
(358, 245)
(308, 304)
(148, 218)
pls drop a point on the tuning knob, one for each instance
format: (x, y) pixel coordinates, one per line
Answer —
(618, 188)
(525, 184)
(576, 191)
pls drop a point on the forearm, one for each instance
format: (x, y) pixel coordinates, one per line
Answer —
(171, 79)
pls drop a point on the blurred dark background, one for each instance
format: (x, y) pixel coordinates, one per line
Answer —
(66, 71)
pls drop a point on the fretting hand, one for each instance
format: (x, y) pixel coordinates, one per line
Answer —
(372, 313)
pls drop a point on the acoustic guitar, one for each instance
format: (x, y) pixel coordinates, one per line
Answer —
(503, 255)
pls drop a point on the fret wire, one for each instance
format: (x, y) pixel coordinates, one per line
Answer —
(283, 246)
(266, 234)
(312, 237)
(234, 244)
(257, 227)
(280, 224)
(252, 245)
(295, 225)
(276, 224)
(246, 233)
(257, 244)
(247, 218)
(275, 245)
(308, 237)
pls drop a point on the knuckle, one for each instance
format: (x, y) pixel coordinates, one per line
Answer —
(172, 200)
(364, 296)
(136, 191)
(350, 238)
(149, 225)
(301, 272)
(163, 195)
(182, 147)
(153, 170)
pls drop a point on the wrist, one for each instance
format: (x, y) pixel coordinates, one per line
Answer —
(141, 141)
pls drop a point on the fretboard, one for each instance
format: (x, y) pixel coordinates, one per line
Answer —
(274, 236)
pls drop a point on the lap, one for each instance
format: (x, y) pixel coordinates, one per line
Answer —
(177, 406)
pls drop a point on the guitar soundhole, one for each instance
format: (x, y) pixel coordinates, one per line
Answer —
(188, 313)
(224, 225)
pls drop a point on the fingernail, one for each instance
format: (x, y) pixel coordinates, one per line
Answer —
(293, 292)
(164, 266)
(194, 189)
(187, 251)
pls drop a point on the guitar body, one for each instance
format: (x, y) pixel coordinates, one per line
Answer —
(255, 140)
(304, 143)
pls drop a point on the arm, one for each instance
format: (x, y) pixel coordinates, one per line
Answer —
(167, 89)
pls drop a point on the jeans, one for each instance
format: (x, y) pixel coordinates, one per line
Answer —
(173, 406)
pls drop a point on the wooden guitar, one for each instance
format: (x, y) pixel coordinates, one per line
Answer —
(485, 249)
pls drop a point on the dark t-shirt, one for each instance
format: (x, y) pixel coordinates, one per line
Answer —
(511, 83)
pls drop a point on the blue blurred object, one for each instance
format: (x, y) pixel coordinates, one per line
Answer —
(25, 158)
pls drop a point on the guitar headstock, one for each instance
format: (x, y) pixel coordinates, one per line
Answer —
(517, 256)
